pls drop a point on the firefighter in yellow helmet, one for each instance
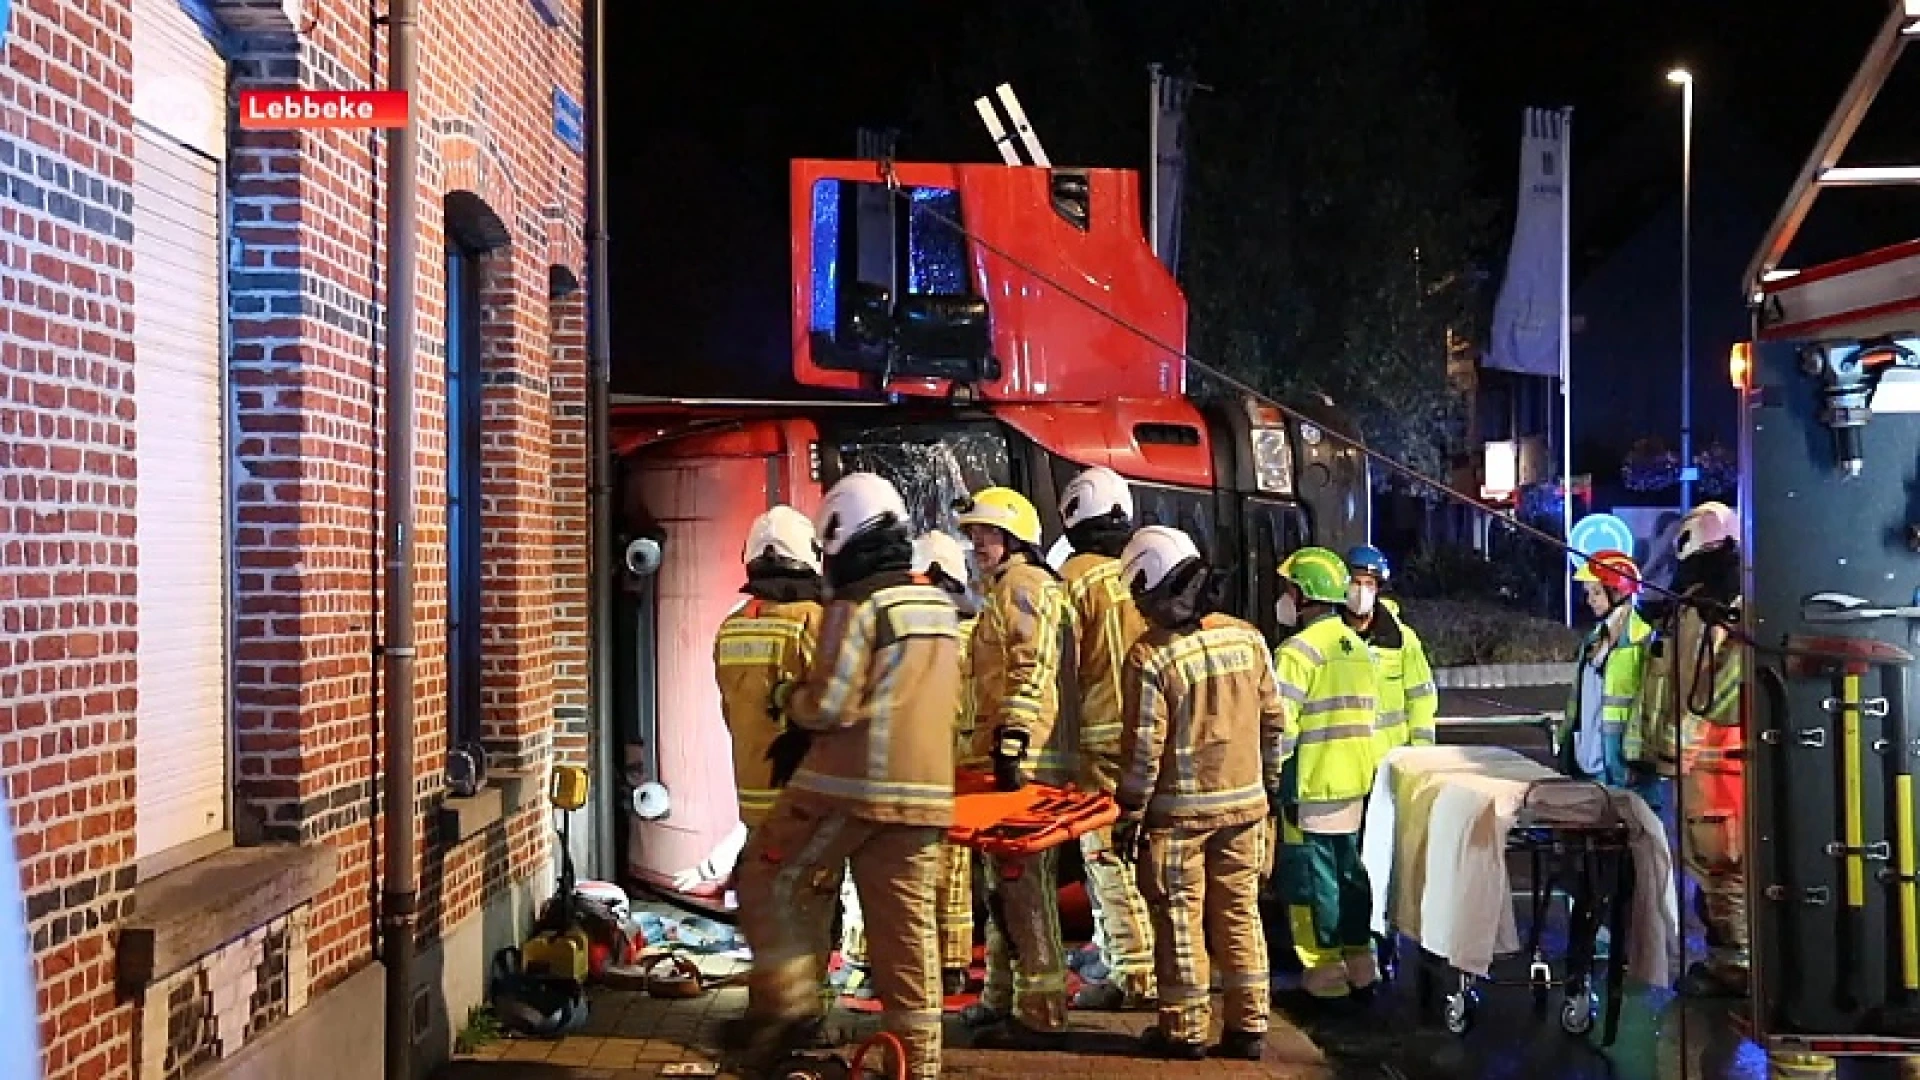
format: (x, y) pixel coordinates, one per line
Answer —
(1021, 649)
(1097, 510)
(1329, 695)
(766, 641)
(939, 558)
(1409, 702)
(1200, 751)
(1591, 739)
(874, 788)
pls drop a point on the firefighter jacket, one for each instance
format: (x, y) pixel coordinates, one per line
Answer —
(1022, 652)
(761, 645)
(1202, 738)
(880, 699)
(1409, 701)
(1623, 665)
(1330, 699)
(1691, 690)
(1106, 624)
(963, 720)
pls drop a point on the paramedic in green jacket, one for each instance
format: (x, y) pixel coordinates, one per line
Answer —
(1591, 740)
(1409, 701)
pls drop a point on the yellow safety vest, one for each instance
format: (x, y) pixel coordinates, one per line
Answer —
(1409, 701)
(1330, 694)
(1620, 680)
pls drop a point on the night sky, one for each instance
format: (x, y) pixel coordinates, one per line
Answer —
(709, 101)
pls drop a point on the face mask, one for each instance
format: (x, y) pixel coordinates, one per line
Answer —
(1286, 611)
(1360, 599)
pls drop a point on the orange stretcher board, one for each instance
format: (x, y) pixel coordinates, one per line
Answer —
(1014, 824)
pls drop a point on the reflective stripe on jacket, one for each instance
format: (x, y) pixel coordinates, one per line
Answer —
(1692, 692)
(1106, 622)
(1021, 652)
(963, 718)
(1409, 701)
(1201, 744)
(1330, 698)
(1622, 673)
(761, 645)
(880, 698)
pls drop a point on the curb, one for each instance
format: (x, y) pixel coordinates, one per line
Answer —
(1500, 676)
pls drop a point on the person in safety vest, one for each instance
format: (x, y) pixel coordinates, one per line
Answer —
(1409, 702)
(942, 561)
(1199, 753)
(1592, 736)
(1097, 510)
(1025, 727)
(767, 640)
(874, 789)
(1691, 729)
(1330, 700)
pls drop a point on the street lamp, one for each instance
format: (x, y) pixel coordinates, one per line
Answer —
(1683, 78)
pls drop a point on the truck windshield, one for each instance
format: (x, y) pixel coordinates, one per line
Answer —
(932, 465)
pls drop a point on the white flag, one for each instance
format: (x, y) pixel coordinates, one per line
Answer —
(1170, 96)
(1528, 317)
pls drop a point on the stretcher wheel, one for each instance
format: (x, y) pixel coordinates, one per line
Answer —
(1459, 1011)
(1576, 1014)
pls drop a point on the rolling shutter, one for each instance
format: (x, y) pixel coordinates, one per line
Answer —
(179, 109)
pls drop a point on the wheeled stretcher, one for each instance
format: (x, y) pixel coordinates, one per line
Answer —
(1443, 827)
(1013, 824)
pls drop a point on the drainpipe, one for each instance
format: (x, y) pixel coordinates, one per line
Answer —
(401, 893)
(601, 735)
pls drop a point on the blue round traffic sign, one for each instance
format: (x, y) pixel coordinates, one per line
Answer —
(1596, 533)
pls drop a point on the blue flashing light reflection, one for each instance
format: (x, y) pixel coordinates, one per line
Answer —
(936, 253)
(826, 256)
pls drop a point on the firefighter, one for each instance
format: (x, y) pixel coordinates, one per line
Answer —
(1024, 727)
(1329, 695)
(941, 560)
(765, 641)
(1691, 730)
(1200, 751)
(874, 788)
(1097, 510)
(1409, 702)
(1591, 739)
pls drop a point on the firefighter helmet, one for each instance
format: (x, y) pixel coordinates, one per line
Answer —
(1614, 569)
(938, 549)
(1709, 525)
(1365, 558)
(1003, 508)
(1152, 554)
(783, 533)
(860, 503)
(1097, 492)
(1319, 573)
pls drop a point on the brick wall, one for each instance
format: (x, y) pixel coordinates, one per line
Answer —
(67, 620)
(305, 322)
(568, 374)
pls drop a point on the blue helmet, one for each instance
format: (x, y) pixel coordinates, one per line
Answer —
(1366, 557)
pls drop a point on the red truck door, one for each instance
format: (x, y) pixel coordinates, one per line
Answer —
(1024, 301)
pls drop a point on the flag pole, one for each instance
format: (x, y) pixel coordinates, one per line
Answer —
(1566, 344)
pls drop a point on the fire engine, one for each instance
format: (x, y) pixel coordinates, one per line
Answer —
(1830, 507)
(963, 325)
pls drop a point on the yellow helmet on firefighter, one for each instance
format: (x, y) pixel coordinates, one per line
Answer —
(782, 533)
(939, 550)
(1153, 553)
(1003, 508)
(1095, 493)
(860, 503)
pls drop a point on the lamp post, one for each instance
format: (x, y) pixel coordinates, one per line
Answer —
(1683, 78)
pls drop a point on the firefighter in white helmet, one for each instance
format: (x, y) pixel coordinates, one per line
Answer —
(875, 787)
(940, 558)
(1200, 752)
(1097, 510)
(1021, 649)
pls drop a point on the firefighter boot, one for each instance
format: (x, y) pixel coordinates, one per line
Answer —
(1155, 1042)
(1241, 1045)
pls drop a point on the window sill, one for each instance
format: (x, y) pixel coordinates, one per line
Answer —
(184, 914)
(461, 819)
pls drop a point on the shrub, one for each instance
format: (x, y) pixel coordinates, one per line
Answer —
(1459, 633)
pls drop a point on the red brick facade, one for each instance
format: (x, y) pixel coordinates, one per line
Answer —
(304, 362)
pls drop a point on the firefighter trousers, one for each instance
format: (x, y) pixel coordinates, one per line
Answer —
(823, 942)
(1203, 886)
(1713, 851)
(1330, 910)
(789, 883)
(953, 904)
(1026, 964)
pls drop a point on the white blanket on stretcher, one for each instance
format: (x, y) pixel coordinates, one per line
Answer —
(1435, 848)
